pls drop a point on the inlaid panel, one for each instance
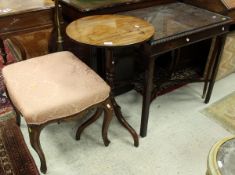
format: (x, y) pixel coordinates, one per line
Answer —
(17, 16)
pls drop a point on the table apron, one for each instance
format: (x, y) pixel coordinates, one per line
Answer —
(168, 45)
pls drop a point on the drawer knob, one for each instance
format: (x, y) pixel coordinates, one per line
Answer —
(187, 39)
(223, 28)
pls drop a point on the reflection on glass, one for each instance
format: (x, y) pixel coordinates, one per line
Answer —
(176, 18)
(13, 6)
(226, 158)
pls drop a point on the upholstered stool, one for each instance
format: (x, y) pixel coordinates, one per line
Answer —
(221, 158)
(53, 88)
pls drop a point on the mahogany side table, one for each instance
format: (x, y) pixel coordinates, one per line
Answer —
(110, 32)
(178, 25)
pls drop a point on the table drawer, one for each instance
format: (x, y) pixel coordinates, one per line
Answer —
(175, 42)
(26, 22)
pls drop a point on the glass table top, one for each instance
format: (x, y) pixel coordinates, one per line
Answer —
(226, 158)
(10, 7)
(177, 18)
(88, 5)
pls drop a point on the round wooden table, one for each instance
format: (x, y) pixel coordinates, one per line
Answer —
(221, 158)
(110, 32)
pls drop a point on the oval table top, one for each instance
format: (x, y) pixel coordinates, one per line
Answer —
(110, 30)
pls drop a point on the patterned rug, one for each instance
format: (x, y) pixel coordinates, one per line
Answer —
(5, 106)
(15, 158)
(223, 112)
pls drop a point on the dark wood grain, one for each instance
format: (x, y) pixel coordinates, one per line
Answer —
(23, 18)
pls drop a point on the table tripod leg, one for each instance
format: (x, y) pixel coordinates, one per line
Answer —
(110, 74)
(124, 123)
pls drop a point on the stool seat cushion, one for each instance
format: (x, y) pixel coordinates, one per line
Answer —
(53, 86)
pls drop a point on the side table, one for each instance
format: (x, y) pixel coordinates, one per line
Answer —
(110, 32)
(178, 25)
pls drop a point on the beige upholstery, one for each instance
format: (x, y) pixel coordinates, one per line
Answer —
(53, 86)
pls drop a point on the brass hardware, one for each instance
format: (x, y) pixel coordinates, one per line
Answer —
(108, 106)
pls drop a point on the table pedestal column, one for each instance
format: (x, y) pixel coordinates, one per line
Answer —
(110, 74)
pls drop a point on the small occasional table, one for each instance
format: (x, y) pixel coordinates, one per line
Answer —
(221, 158)
(110, 32)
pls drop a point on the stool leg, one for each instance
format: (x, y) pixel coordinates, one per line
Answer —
(34, 135)
(108, 113)
(88, 122)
